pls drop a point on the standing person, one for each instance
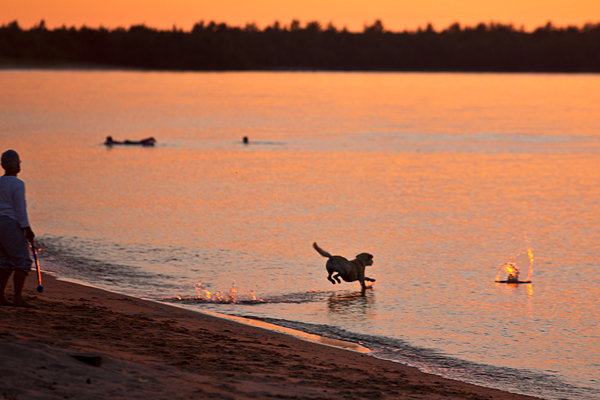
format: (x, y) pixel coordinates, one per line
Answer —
(14, 230)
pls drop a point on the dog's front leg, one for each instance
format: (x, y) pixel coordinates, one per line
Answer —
(362, 283)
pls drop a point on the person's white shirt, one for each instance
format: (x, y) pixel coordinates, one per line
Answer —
(12, 200)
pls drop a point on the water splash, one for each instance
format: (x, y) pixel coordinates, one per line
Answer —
(230, 296)
(512, 269)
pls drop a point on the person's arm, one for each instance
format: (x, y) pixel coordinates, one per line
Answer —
(21, 211)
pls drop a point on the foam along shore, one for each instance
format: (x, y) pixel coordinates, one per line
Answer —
(82, 342)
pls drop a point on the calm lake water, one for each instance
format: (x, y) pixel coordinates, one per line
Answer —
(442, 177)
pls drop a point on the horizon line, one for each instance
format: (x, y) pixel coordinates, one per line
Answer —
(324, 27)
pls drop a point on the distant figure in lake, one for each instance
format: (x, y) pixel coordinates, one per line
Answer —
(245, 140)
(144, 142)
(15, 231)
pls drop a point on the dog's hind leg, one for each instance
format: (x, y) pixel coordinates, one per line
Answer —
(329, 277)
(337, 278)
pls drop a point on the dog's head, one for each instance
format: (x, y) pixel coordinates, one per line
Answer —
(366, 258)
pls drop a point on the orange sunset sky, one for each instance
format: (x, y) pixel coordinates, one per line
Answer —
(397, 15)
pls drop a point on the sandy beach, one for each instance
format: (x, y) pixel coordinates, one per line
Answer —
(84, 343)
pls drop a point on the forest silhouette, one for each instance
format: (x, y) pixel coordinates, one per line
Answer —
(492, 47)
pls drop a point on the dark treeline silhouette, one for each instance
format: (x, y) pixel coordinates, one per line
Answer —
(490, 47)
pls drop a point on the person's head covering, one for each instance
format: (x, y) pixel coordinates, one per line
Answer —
(10, 160)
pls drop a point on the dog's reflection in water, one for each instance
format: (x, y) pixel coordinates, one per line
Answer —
(351, 302)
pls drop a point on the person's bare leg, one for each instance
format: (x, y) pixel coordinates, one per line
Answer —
(19, 280)
(4, 275)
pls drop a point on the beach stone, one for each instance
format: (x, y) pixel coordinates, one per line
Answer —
(94, 361)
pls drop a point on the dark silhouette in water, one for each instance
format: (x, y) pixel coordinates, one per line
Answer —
(348, 270)
(513, 281)
(144, 142)
(245, 140)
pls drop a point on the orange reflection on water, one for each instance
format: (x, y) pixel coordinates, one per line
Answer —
(432, 183)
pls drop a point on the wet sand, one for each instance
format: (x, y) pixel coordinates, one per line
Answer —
(138, 349)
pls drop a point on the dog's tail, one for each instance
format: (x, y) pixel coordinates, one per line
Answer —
(321, 251)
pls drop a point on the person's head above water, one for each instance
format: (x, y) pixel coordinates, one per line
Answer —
(11, 161)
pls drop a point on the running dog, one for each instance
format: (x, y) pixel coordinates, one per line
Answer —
(349, 271)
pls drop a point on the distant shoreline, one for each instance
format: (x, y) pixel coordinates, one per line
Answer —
(489, 47)
(17, 64)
